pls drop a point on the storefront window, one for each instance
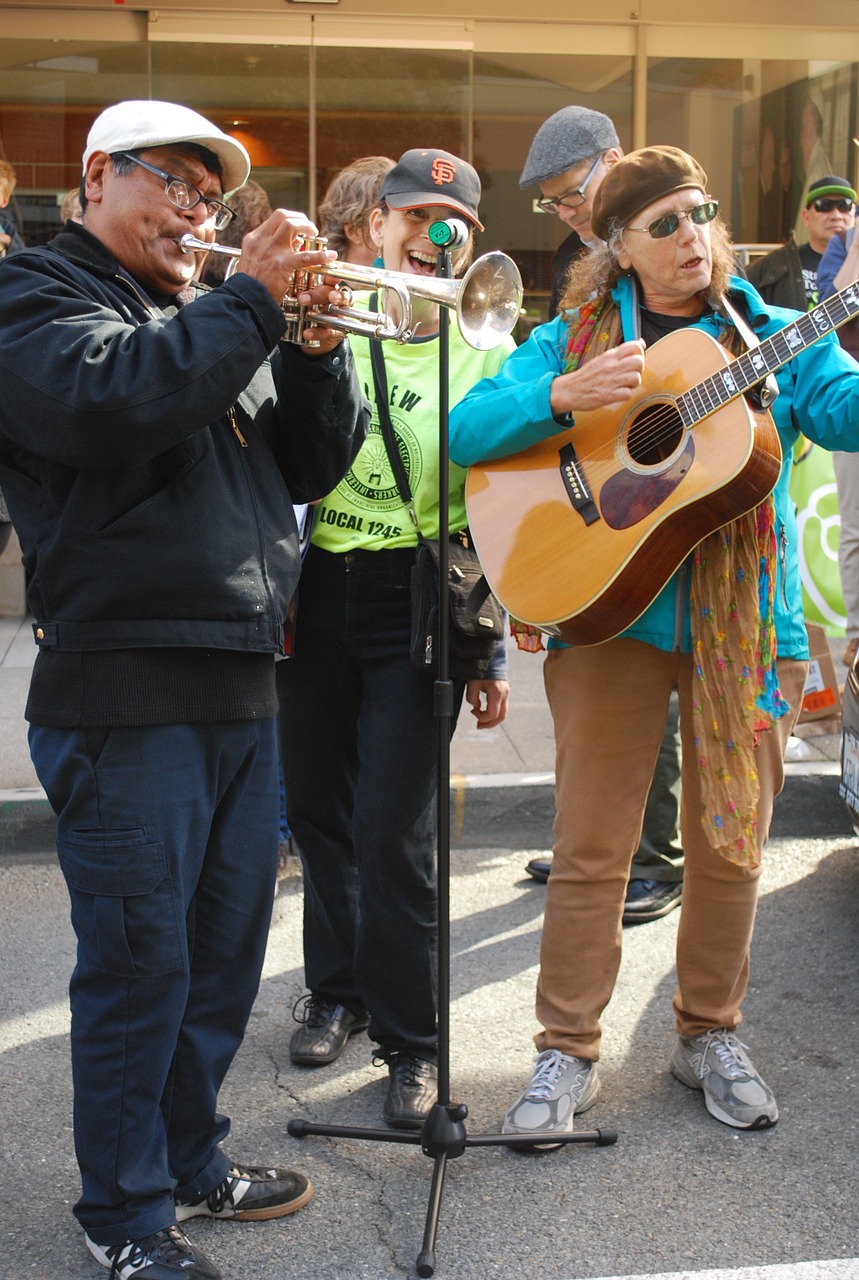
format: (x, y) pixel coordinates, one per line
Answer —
(513, 95)
(50, 91)
(385, 101)
(258, 93)
(761, 129)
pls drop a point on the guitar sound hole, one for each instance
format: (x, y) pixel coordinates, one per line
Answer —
(655, 435)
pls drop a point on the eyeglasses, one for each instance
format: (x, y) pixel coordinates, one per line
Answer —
(827, 203)
(565, 201)
(669, 222)
(184, 195)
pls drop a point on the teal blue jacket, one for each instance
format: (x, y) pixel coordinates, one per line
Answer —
(818, 396)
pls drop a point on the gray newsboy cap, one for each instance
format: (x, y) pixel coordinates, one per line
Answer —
(565, 139)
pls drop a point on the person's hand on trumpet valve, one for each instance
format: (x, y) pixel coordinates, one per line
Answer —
(272, 253)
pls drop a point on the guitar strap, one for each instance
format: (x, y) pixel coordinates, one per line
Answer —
(765, 392)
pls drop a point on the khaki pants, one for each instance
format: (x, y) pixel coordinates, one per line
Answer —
(608, 704)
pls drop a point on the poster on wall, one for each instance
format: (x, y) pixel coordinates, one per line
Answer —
(789, 139)
(793, 136)
(812, 488)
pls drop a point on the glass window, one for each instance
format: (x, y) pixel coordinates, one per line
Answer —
(260, 94)
(50, 93)
(513, 95)
(762, 130)
(385, 101)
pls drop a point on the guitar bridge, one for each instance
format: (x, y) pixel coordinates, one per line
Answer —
(576, 485)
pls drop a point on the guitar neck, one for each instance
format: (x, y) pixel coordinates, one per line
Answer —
(753, 366)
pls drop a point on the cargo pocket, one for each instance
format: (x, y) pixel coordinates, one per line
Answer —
(123, 906)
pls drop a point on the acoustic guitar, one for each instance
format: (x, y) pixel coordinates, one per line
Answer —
(579, 533)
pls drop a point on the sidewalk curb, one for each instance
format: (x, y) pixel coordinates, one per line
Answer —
(27, 823)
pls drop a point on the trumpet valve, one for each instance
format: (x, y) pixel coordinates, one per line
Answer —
(306, 278)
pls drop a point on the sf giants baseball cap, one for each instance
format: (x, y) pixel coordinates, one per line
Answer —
(131, 126)
(433, 177)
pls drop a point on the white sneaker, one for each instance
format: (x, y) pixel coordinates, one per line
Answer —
(560, 1086)
(718, 1064)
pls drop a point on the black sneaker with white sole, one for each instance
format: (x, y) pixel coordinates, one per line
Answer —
(164, 1255)
(249, 1194)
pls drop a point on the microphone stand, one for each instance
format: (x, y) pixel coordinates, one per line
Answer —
(443, 1136)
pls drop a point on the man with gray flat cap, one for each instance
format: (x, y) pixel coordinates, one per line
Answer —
(569, 157)
(154, 436)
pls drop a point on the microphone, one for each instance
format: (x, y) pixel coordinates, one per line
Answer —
(450, 234)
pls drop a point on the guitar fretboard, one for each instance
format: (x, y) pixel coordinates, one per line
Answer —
(753, 366)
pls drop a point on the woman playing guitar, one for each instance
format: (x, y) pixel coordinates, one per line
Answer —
(629, 496)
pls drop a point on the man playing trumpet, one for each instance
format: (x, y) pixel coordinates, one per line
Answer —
(152, 443)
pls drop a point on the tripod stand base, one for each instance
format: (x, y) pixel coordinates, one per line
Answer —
(444, 1137)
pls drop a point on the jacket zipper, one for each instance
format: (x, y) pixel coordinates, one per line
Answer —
(782, 555)
(234, 424)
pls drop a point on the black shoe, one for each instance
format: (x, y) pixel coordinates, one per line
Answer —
(650, 899)
(325, 1028)
(539, 868)
(165, 1255)
(412, 1091)
(250, 1194)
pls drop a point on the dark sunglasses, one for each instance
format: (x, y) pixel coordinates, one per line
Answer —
(827, 203)
(669, 222)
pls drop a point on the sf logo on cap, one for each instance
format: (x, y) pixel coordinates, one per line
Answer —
(442, 171)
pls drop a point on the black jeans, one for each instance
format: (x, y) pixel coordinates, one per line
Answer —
(359, 743)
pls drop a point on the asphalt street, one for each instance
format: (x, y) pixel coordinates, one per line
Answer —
(678, 1197)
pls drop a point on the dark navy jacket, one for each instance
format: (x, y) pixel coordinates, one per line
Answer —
(150, 454)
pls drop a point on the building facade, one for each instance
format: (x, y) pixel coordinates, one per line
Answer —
(759, 96)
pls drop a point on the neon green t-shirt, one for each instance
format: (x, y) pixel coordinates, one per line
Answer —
(365, 510)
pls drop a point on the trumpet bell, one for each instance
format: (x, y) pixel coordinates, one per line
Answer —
(489, 301)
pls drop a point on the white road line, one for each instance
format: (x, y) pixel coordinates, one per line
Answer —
(833, 1269)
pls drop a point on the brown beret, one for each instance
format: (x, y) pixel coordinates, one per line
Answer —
(638, 179)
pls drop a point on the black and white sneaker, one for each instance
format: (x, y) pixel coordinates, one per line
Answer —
(250, 1194)
(165, 1255)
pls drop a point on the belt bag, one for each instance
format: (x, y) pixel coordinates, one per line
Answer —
(476, 618)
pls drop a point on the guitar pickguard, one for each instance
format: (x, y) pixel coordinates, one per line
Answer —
(628, 497)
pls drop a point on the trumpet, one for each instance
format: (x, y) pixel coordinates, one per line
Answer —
(487, 300)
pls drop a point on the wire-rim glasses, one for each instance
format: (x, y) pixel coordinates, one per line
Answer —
(669, 222)
(566, 201)
(184, 195)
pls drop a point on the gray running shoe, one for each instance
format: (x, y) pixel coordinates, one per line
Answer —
(560, 1086)
(718, 1063)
